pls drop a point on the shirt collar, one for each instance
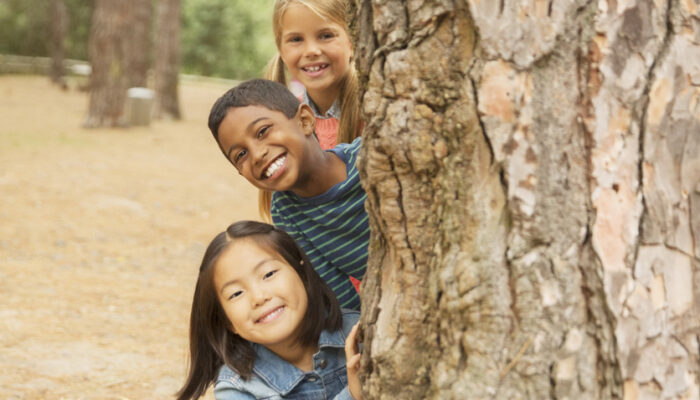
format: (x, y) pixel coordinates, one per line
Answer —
(283, 376)
(333, 112)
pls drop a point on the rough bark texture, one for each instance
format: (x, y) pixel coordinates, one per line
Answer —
(167, 59)
(58, 28)
(139, 54)
(533, 180)
(108, 46)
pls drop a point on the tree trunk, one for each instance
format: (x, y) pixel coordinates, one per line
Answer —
(59, 28)
(108, 47)
(532, 171)
(139, 53)
(167, 59)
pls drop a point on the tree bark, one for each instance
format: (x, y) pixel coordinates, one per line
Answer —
(59, 28)
(108, 46)
(140, 43)
(167, 59)
(532, 171)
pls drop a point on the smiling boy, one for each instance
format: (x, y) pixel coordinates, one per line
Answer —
(268, 136)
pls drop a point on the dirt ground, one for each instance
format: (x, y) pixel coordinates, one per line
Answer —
(101, 235)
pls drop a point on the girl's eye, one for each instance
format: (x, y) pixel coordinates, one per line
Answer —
(294, 39)
(269, 274)
(327, 35)
(235, 294)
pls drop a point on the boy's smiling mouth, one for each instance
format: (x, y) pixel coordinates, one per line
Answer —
(275, 166)
(270, 316)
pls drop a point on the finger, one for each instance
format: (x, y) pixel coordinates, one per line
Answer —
(354, 362)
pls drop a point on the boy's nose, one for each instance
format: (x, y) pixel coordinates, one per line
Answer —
(259, 154)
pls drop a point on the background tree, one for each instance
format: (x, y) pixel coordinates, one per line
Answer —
(59, 27)
(108, 50)
(140, 43)
(533, 180)
(167, 59)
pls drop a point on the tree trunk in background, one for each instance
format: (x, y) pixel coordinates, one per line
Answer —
(59, 28)
(167, 59)
(533, 179)
(108, 47)
(139, 54)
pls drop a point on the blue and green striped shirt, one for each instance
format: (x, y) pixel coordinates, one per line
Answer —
(332, 227)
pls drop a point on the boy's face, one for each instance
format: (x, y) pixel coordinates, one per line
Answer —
(265, 146)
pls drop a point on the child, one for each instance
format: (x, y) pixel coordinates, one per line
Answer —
(266, 133)
(314, 45)
(264, 325)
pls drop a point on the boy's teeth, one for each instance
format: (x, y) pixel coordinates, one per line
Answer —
(274, 167)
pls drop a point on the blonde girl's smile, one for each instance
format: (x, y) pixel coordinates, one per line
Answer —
(316, 51)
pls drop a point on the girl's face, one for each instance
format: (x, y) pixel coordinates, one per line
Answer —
(261, 294)
(316, 51)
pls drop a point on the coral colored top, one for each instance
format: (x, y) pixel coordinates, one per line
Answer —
(327, 124)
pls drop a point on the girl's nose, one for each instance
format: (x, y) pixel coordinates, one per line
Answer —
(312, 48)
(260, 296)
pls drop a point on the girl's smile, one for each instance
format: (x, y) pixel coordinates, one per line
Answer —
(261, 294)
(316, 51)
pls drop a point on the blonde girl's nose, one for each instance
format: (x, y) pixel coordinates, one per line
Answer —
(312, 48)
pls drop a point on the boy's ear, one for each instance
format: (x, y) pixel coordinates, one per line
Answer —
(306, 118)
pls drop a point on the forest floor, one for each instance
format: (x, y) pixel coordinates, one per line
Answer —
(101, 236)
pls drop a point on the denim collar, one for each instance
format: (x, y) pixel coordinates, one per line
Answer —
(333, 112)
(283, 376)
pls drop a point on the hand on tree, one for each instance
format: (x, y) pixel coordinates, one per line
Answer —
(352, 357)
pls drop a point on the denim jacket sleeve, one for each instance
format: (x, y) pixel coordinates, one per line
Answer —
(344, 395)
(224, 391)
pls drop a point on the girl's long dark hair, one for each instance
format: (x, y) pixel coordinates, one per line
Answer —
(212, 344)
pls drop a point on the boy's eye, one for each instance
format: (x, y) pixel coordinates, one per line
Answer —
(239, 155)
(235, 294)
(263, 130)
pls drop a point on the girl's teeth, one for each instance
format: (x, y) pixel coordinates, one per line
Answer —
(271, 315)
(314, 68)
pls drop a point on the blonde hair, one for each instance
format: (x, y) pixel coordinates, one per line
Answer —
(349, 125)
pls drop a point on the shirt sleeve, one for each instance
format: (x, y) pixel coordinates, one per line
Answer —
(344, 395)
(225, 391)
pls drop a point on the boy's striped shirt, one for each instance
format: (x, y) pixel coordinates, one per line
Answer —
(332, 227)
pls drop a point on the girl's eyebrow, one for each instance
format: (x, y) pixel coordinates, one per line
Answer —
(248, 128)
(255, 268)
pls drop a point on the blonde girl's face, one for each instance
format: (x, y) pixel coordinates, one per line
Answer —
(261, 294)
(316, 51)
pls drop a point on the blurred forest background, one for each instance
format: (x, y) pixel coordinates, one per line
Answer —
(103, 229)
(219, 38)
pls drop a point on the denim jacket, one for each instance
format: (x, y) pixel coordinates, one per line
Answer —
(274, 378)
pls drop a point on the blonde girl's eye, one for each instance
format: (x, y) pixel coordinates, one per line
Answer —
(294, 39)
(327, 35)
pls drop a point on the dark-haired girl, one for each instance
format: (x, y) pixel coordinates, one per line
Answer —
(265, 325)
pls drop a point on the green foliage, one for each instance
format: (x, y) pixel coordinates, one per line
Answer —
(227, 38)
(24, 27)
(224, 38)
